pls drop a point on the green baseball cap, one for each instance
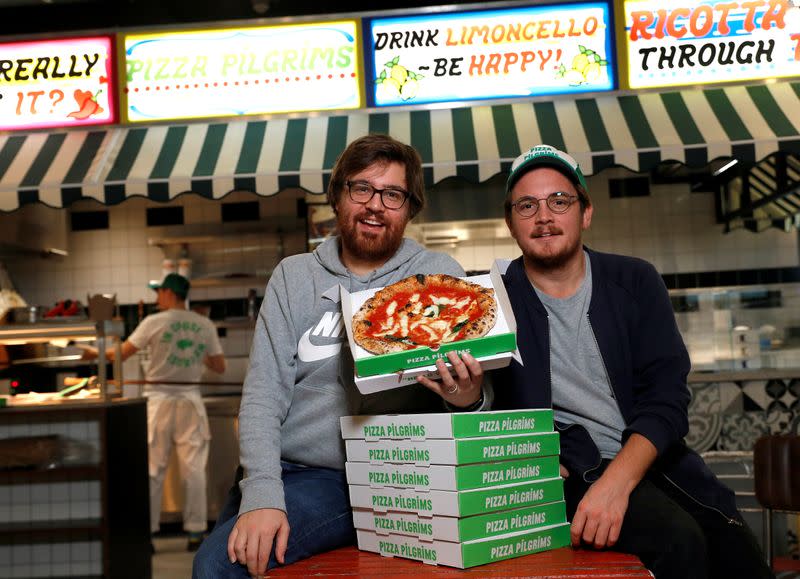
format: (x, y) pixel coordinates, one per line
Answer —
(175, 282)
(545, 156)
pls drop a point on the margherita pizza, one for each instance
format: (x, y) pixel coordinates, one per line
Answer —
(424, 310)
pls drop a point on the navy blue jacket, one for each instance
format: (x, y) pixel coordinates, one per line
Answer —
(646, 360)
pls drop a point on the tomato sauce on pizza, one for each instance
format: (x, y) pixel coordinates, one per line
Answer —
(424, 310)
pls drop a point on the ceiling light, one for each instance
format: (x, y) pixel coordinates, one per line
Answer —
(725, 167)
(260, 6)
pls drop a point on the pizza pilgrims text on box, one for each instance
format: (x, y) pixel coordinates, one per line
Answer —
(385, 371)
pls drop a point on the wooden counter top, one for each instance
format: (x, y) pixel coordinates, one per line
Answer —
(561, 563)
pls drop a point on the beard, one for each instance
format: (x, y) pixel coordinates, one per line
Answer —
(552, 260)
(369, 246)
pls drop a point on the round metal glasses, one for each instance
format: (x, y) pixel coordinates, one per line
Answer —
(362, 192)
(557, 202)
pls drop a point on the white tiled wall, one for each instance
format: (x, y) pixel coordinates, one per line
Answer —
(60, 501)
(673, 228)
(76, 559)
(120, 261)
(54, 501)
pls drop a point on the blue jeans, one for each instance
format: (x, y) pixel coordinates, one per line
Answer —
(318, 509)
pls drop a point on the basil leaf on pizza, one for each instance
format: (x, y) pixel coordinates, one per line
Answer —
(424, 310)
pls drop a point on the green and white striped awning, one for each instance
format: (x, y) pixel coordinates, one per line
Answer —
(265, 156)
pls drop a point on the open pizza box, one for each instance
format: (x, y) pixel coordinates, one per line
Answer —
(374, 373)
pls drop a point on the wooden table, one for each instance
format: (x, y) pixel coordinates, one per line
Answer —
(565, 562)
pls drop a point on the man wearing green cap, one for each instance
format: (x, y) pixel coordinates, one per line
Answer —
(599, 344)
(180, 345)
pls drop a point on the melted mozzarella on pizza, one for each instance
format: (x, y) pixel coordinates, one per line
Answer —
(425, 320)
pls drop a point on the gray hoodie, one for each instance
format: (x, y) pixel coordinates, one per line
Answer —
(299, 381)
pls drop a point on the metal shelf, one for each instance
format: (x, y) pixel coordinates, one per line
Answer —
(261, 280)
(49, 529)
(64, 473)
(183, 240)
(75, 331)
(238, 324)
(47, 331)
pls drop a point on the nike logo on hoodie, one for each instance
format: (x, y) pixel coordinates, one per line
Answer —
(331, 326)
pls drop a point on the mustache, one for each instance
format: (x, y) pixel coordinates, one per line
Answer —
(368, 214)
(539, 231)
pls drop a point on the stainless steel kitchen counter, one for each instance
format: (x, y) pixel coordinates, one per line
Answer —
(744, 375)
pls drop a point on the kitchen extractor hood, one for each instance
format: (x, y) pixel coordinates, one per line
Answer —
(34, 229)
(455, 232)
(460, 212)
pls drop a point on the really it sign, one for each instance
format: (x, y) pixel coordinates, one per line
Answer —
(57, 83)
(701, 42)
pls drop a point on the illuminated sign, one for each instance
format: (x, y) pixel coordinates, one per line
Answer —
(56, 83)
(485, 54)
(241, 71)
(700, 42)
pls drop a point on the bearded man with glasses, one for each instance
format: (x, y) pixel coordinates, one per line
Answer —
(291, 500)
(599, 344)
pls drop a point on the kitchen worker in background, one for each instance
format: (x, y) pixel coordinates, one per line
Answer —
(599, 343)
(180, 343)
(294, 496)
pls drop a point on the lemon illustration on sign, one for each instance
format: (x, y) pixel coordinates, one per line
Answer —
(409, 89)
(580, 62)
(592, 72)
(393, 84)
(399, 73)
(586, 67)
(395, 80)
(574, 77)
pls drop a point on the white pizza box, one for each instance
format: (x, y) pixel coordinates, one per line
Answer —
(468, 553)
(447, 424)
(453, 450)
(458, 503)
(460, 529)
(501, 338)
(448, 477)
(381, 382)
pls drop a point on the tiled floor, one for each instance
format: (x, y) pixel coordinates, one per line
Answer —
(171, 559)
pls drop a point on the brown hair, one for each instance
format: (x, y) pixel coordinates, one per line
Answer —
(370, 149)
(583, 196)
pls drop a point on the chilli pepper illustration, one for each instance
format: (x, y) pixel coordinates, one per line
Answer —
(87, 105)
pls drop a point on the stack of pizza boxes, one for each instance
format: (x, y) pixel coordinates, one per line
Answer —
(460, 489)
(377, 370)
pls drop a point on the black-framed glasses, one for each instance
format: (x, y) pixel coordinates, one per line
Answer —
(557, 202)
(362, 192)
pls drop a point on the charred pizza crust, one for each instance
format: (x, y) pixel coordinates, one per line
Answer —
(383, 325)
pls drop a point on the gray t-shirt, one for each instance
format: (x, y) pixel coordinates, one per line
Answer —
(581, 390)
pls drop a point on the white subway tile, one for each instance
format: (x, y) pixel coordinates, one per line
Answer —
(20, 513)
(59, 552)
(20, 493)
(60, 511)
